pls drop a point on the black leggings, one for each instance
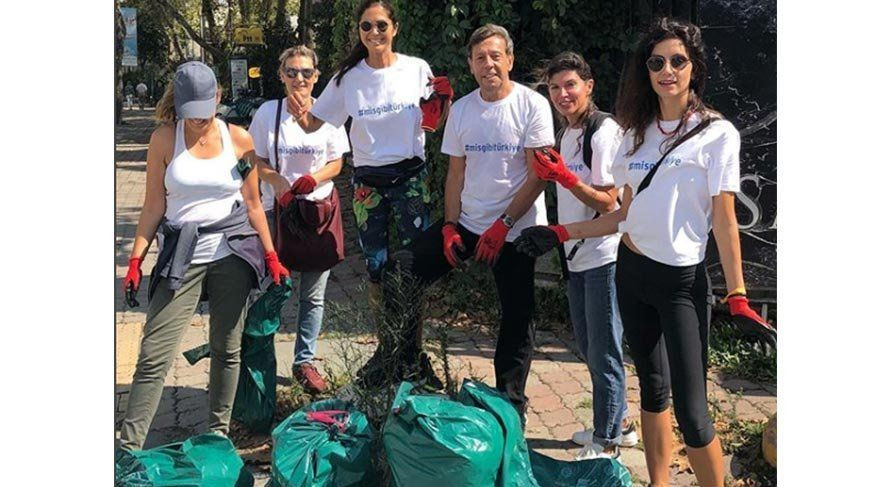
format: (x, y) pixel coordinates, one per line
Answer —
(665, 316)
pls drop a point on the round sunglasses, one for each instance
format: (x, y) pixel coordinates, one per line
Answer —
(367, 26)
(305, 72)
(656, 63)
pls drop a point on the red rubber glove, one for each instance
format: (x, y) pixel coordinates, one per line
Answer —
(749, 321)
(432, 110)
(491, 242)
(304, 185)
(550, 166)
(441, 86)
(132, 282)
(274, 267)
(451, 242)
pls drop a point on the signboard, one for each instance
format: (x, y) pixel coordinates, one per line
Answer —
(239, 76)
(129, 44)
(248, 35)
(254, 72)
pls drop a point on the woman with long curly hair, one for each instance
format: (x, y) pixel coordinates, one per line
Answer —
(678, 165)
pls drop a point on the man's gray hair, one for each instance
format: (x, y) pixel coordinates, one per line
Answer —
(488, 31)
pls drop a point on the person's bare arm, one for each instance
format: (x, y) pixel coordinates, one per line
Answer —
(269, 175)
(329, 171)
(600, 198)
(159, 154)
(250, 188)
(300, 107)
(726, 230)
(606, 224)
(453, 189)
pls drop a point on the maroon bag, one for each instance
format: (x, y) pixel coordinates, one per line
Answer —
(308, 234)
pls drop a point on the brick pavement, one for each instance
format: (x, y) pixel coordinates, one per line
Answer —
(558, 387)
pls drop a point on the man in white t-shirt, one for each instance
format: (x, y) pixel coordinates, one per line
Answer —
(141, 90)
(491, 194)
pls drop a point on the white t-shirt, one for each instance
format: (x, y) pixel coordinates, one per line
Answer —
(594, 252)
(670, 220)
(141, 89)
(384, 108)
(300, 153)
(491, 136)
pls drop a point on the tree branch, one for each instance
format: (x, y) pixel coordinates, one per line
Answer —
(217, 53)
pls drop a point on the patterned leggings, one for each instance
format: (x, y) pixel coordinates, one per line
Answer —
(407, 202)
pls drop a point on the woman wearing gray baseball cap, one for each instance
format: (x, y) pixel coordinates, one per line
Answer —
(203, 201)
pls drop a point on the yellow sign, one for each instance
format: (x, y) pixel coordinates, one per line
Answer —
(248, 35)
(254, 72)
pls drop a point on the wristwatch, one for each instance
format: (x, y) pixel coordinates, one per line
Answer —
(507, 220)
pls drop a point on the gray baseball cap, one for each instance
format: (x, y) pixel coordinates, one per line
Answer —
(195, 91)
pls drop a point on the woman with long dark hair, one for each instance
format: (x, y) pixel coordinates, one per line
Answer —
(382, 91)
(678, 165)
(204, 203)
(581, 169)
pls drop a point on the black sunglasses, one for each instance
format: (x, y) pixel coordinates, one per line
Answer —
(656, 63)
(367, 26)
(292, 72)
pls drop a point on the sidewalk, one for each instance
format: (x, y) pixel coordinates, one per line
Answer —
(558, 383)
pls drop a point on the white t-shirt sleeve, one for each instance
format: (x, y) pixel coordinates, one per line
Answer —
(337, 144)
(452, 145)
(259, 129)
(723, 155)
(427, 74)
(539, 132)
(330, 106)
(604, 145)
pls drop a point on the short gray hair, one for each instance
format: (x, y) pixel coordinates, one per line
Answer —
(300, 50)
(488, 31)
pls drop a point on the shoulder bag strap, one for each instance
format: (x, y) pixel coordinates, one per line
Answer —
(694, 131)
(277, 127)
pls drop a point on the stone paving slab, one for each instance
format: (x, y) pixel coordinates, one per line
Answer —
(559, 383)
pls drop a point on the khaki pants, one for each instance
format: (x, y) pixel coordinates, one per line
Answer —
(227, 282)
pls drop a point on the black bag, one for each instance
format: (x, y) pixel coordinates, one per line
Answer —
(390, 175)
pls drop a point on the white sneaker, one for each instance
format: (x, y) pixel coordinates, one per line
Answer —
(593, 451)
(629, 436)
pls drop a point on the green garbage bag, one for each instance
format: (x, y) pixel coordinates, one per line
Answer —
(434, 441)
(600, 472)
(324, 444)
(516, 470)
(203, 460)
(254, 405)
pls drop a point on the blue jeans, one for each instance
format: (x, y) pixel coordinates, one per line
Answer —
(592, 299)
(312, 286)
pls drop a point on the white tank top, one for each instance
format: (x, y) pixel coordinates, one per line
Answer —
(202, 191)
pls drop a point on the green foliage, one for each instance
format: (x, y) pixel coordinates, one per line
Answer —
(734, 356)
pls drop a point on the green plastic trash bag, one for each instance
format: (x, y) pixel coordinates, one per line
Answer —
(434, 441)
(516, 470)
(324, 444)
(600, 472)
(254, 405)
(203, 460)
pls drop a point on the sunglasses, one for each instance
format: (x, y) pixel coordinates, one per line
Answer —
(656, 63)
(367, 26)
(306, 73)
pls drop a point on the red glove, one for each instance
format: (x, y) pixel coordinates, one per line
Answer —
(432, 110)
(491, 242)
(304, 185)
(750, 322)
(276, 270)
(451, 242)
(550, 166)
(286, 198)
(133, 276)
(441, 87)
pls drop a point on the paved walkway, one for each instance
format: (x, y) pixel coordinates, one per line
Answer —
(559, 384)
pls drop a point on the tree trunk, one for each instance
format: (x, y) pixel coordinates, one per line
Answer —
(120, 36)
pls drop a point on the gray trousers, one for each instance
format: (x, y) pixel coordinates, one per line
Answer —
(227, 282)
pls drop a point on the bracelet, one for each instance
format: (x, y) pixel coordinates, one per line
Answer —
(740, 291)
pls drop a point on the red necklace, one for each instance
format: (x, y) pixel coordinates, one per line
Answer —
(684, 120)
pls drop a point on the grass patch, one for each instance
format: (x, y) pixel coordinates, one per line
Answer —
(732, 355)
